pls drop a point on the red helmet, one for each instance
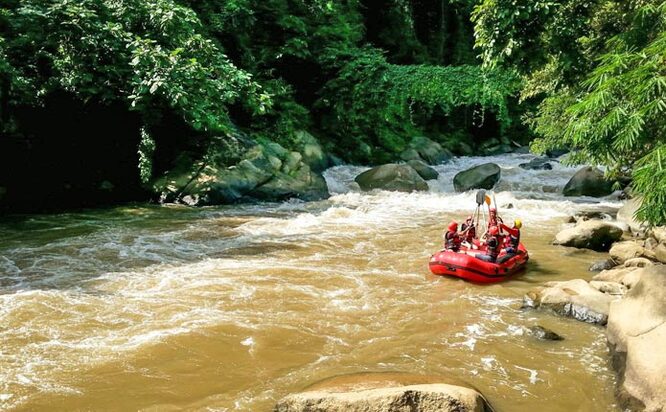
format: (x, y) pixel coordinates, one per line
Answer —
(493, 211)
(453, 226)
(494, 231)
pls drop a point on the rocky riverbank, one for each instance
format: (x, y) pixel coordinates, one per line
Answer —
(628, 296)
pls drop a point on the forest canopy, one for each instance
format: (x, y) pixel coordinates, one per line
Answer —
(113, 90)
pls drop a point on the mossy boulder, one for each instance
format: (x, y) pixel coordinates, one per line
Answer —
(394, 177)
(429, 151)
(261, 171)
(425, 171)
(484, 176)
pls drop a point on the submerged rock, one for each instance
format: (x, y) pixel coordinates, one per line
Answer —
(425, 171)
(591, 234)
(538, 163)
(542, 333)
(600, 265)
(636, 333)
(588, 181)
(385, 393)
(484, 176)
(395, 177)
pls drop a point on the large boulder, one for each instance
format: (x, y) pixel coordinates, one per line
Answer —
(484, 176)
(575, 298)
(538, 163)
(395, 177)
(427, 150)
(623, 251)
(590, 234)
(425, 171)
(243, 169)
(384, 393)
(636, 333)
(588, 181)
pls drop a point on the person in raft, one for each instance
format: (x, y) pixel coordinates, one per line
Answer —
(513, 240)
(493, 218)
(451, 237)
(468, 231)
(493, 244)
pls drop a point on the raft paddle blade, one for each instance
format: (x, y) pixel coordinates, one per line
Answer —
(480, 197)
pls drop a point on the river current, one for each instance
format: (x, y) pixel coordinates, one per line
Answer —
(229, 308)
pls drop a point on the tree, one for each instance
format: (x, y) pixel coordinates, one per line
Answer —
(605, 98)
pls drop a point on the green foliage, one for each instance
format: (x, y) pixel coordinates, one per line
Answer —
(148, 53)
(388, 103)
(609, 105)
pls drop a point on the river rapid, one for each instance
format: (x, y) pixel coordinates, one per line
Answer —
(230, 308)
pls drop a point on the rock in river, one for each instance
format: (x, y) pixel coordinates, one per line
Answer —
(624, 251)
(538, 163)
(575, 298)
(422, 148)
(396, 177)
(425, 171)
(590, 234)
(384, 394)
(484, 176)
(542, 333)
(636, 333)
(588, 181)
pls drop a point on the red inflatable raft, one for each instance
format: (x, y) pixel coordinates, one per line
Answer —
(464, 264)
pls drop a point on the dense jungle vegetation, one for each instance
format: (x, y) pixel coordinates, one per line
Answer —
(100, 94)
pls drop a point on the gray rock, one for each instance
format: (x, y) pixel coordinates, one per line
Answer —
(410, 154)
(538, 163)
(522, 150)
(542, 333)
(430, 152)
(302, 184)
(591, 234)
(600, 265)
(395, 177)
(636, 333)
(425, 171)
(555, 153)
(484, 176)
(574, 298)
(588, 181)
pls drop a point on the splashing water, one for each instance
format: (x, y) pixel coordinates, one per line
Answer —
(231, 308)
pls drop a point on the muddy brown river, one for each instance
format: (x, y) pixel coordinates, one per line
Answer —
(162, 308)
